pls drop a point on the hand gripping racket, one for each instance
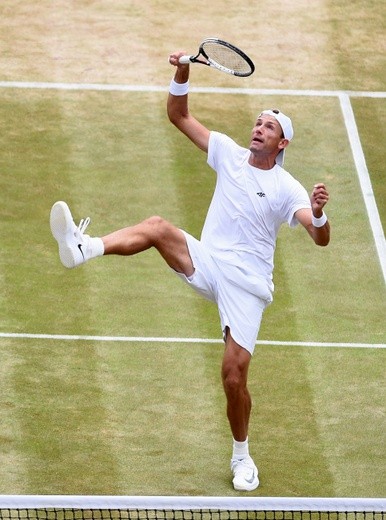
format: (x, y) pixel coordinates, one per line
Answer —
(222, 56)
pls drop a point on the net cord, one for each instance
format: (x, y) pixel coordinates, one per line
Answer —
(194, 502)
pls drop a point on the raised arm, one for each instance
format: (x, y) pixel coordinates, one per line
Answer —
(314, 219)
(177, 106)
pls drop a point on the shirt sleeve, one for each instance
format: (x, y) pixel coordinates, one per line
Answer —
(212, 149)
(299, 200)
(220, 149)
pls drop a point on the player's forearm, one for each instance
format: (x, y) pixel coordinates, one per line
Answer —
(177, 104)
(177, 109)
(321, 235)
(182, 74)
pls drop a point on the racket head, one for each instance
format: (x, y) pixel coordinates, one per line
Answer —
(226, 57)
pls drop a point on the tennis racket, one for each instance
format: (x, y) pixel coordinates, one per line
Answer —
(222, 56)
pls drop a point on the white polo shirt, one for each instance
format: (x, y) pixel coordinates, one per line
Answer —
(247, 209)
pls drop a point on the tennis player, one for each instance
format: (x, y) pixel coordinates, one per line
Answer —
(232, 263)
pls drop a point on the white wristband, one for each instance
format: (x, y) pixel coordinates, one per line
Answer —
(319, 222)
(178, 89)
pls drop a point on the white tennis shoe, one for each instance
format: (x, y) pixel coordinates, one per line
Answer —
(245, 474)
(73, 244)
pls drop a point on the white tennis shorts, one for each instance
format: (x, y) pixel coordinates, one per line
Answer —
(239, 309)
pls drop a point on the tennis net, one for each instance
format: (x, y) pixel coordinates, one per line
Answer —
(71, 507)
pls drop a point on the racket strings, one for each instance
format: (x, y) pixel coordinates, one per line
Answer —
(226, 57)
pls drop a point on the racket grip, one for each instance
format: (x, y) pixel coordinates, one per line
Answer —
(185, 59)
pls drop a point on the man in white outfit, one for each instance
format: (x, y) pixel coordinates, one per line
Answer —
(232, 263)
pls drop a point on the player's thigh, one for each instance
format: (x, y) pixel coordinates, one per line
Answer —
(171, 243)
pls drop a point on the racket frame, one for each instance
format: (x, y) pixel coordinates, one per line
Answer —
(212, 63)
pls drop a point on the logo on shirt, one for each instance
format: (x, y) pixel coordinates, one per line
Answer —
(260, 194)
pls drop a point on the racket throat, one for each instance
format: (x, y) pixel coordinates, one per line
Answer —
(203, 61)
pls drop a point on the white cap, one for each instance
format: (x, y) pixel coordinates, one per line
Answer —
(286, 125)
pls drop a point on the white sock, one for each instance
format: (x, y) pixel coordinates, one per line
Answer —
(96, 247)
(240, 449)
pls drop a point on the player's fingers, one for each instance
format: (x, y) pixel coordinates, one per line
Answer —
(174, 57)
(321, 196)
(320, 192)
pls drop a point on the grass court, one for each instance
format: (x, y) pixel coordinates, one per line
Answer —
(102, 388)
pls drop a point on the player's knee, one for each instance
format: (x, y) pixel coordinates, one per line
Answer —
(233, 380)
(155, 222)
(159, 228)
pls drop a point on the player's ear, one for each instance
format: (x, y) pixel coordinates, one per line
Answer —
(283, 143)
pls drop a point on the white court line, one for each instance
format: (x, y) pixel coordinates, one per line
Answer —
(142, 339)
(208, 90)
(364, 180)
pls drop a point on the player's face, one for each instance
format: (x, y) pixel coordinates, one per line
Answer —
(267, 135)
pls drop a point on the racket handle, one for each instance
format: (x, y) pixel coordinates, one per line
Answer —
(185, 59)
